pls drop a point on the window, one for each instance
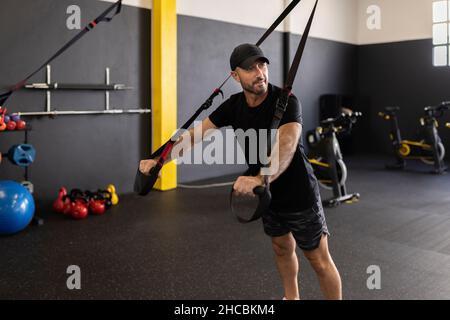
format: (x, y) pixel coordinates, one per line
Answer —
(441, 33)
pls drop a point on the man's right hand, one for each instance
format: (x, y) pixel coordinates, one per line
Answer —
(146, 165)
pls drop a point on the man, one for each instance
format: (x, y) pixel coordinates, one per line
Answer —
(296, 216)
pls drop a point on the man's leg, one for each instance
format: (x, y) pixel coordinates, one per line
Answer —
(323, 265)
(287, 263)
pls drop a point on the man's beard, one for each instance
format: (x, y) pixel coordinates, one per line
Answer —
(256, 90)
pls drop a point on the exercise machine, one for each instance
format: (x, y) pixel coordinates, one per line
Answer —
(326, 157)
(428, 148)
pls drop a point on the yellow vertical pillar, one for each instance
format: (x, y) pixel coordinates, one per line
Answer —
(164, 83)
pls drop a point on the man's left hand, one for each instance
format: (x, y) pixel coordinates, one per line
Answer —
(244, 185)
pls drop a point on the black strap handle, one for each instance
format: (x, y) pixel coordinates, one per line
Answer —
(265, 197)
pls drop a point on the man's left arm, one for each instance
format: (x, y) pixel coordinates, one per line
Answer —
(282, 152)
(284, 149)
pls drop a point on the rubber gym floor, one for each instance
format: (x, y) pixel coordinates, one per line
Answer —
(186, 244)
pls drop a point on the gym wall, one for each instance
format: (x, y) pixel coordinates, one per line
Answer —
(395, 68)
(90, 151)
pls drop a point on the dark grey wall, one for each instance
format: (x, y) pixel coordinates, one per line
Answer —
(77, 151)
(204, 48)
(399, 74)
(327, 67)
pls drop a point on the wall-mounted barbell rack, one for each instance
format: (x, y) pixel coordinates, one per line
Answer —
(107, 87)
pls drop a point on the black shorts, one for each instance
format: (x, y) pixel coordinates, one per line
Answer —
(307, 226)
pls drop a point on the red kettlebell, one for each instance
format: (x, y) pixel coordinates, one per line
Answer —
(11, 125)
(58, 204)
(97, 207)
(79, 209)
(21, 125)
(67, 205)
(106, 196)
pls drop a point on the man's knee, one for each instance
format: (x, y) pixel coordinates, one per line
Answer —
(320, 264)
(320, 258)
(284, 245)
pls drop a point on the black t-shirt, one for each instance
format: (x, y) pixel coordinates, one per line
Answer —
(296, 188)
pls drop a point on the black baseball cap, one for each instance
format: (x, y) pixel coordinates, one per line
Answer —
(245, 55)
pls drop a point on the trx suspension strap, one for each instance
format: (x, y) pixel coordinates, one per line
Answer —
(263, 192)
(143, 184)
(103, 17)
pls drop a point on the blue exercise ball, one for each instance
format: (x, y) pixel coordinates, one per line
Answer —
(16, 207)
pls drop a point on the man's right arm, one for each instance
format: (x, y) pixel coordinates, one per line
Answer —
(191, 134)
(195, 135)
